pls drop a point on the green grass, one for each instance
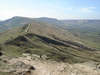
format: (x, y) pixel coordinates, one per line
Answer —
(43, 45)
(91, 39)
(5, 73)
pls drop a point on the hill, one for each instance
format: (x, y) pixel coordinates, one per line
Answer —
(20, 21)
(45, 40)
(14, 22)
(86, 30)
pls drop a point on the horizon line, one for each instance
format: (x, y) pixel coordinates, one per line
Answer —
(51, 18)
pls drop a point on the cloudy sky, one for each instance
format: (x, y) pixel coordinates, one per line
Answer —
(61, 9)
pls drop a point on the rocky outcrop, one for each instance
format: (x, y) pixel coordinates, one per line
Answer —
(28, 66)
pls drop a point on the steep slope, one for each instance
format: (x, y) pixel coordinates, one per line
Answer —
(44, 40)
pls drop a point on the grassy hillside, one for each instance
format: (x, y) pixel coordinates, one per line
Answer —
(45, 40)
(88, 30)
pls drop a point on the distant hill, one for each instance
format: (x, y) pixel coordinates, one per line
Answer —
(52, 21)
(20, 21)
(14, 22)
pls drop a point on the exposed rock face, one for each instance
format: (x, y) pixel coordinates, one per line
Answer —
(28, 66)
